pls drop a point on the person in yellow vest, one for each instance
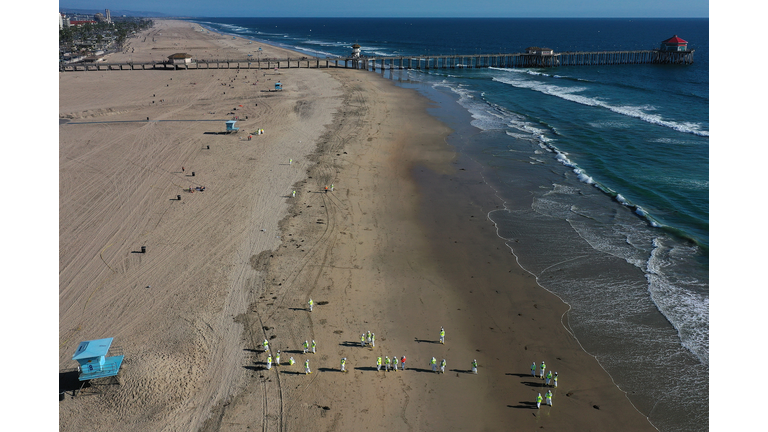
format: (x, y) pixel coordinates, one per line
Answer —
(548, 395)
(277, 358)
(291, 361)
(433, 363)
(549, 378)
(269, 362)
(555, 379)
(378, 364)
(306, 367)
(265, 345)
(368, 339)
(314, 346)
(306, 346)
(311, 303)
(386, 364)
(373, 340)
(474, 366)
(543, 368)
(442, 366)
(538, 401)
(442, 335)
(362, 340)
(533, 369)
(394, 363)
(343, 364)
(294, 196)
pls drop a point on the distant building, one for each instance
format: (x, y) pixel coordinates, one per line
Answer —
(79, 23)
(180, 58)
(108, 16)
(674, 44)
(539, 51)
(61, 21)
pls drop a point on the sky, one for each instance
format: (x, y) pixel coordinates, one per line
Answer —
(408, 8)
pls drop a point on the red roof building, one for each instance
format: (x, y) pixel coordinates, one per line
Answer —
(674, 44)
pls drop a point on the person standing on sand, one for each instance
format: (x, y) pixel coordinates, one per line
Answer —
(555, 380)
(314, 346)
(387, 362)
(394, 363)
(402, 362)
(269, 362)
(548, 395)
(433, 363)
(533, 369)
(343, 364)
(369, 336)
(538, 401)
(378, 364)
(373, 340)
(442, 335)
(442, 366)
(277, 358)
(362, 340)
(331, 187)
(294, 195)
(474, 366)
(310, 302)
(291, 361)
(543, 368)
(549, 378)
(306, 367)
(265, 345)
(306, 346)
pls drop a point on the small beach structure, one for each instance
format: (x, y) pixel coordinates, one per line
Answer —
(180, 58)
(278, 86)
(674, 44)
(355, 50)
(231, 126)
(540, 51)
(94, 361)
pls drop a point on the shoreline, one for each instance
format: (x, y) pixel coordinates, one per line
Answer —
(387, 241)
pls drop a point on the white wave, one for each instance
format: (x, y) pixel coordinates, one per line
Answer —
(570, 94)
(679, 300)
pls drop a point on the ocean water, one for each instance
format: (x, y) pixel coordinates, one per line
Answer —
(603, 171)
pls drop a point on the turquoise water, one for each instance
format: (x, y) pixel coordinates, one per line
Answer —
(604, 172)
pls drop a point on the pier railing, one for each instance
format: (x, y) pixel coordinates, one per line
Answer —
(517, 60)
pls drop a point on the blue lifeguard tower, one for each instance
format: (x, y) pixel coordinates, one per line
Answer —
(278, 86)
(94, 362)
(231, 126)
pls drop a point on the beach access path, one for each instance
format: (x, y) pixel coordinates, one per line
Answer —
(236, 264)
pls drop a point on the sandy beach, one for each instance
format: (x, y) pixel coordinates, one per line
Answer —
(394, 248)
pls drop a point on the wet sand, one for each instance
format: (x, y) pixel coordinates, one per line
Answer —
(399, 247)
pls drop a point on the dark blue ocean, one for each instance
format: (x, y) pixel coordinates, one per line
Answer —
(604, 172)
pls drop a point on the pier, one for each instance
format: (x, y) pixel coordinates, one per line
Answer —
(517, 60)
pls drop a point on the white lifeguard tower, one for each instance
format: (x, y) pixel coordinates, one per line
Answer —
(355, 50)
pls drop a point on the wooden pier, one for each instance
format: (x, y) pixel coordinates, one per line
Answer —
(518, 60)
(525, 60)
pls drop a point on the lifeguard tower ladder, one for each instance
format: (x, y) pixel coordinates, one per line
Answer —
(231, 127)
(94, 362)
